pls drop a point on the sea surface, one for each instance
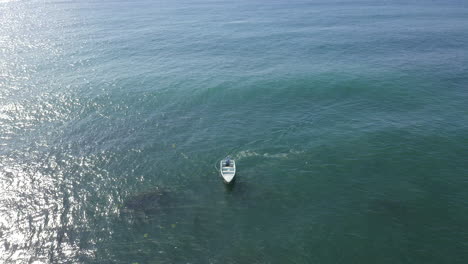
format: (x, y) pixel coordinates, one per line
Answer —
(348, 121)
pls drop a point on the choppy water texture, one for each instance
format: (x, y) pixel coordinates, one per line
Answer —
(348, 121)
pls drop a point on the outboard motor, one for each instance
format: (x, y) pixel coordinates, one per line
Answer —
(228, 161)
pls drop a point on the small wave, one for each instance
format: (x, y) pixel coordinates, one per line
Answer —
(238, 22)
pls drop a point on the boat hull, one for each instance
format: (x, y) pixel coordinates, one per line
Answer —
(228, 172)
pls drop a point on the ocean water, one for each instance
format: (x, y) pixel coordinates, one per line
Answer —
(348, 121)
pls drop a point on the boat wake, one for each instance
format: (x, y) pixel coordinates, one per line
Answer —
(251, 153)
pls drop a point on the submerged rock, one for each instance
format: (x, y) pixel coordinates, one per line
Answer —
(392, 208)
(149, 201)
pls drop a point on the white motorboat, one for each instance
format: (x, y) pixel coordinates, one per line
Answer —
(228, 169)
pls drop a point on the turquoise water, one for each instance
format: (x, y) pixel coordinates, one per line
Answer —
(348, 121)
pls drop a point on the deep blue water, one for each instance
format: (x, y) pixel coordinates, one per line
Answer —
(348, 121)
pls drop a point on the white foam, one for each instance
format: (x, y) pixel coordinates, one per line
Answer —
(250, 153)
